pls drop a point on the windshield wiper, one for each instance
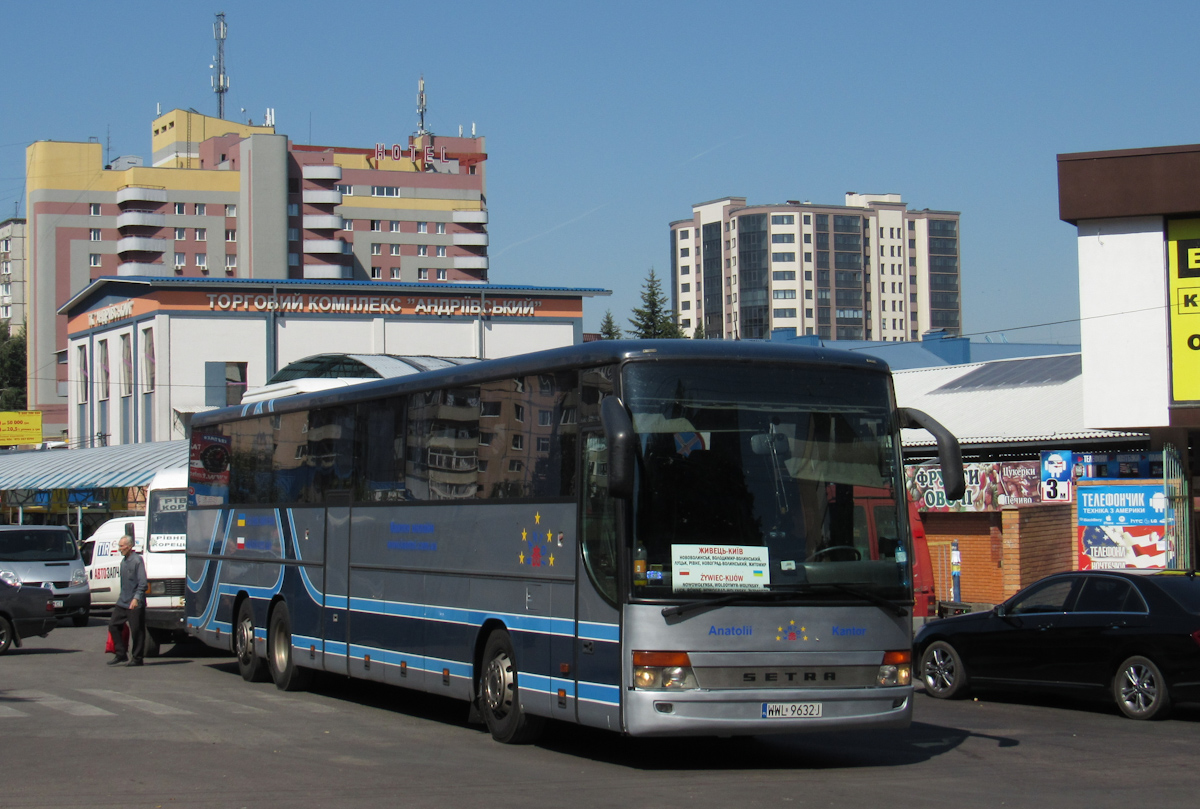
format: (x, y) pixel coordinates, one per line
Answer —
(691, 606)
(865, 595)
(782, 591)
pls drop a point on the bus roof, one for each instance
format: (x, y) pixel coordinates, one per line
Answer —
(599, 352)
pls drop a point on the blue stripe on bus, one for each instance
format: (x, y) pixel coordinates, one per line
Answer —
(205, 621)
(195, 585)
(542, 625)
(589, 630)
(599, 692)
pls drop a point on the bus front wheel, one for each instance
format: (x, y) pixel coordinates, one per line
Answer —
(284, 671)
(500, 699)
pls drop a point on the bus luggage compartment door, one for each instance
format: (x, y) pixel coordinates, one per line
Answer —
(335, 623)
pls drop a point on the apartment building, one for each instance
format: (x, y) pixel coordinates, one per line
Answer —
(12, 273)
(225, 200)
(871, 269)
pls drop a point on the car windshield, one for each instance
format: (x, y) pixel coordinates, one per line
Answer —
(36, 545)
(761, 476)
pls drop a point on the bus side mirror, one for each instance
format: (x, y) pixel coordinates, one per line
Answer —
(129, 529)
(619, 429)
(949, 453)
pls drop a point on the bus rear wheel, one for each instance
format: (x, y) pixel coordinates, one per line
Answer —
(284, 671)
(500, 699)
(252, 667)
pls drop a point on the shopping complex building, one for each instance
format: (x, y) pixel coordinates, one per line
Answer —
(225, 201)
(868, 270)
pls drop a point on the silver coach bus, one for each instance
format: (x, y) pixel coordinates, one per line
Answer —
(654, 537)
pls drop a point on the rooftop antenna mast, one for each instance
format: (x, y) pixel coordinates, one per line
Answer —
(421, 130)
(220, 82)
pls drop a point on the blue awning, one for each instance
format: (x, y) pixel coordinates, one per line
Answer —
(95, 468)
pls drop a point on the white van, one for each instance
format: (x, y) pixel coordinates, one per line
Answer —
(104, 560)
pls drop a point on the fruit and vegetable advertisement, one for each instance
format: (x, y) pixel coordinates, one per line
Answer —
(990, 486)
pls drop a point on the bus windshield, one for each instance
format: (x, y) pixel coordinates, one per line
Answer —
(765, 477)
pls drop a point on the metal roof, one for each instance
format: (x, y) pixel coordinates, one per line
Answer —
(94, 468)
(1033, 399)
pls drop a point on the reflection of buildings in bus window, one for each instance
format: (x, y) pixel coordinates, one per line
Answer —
(442, 461)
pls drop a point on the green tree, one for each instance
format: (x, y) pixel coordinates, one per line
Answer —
(608, 327)
(653, 319)
(12, 370)
(698, 332)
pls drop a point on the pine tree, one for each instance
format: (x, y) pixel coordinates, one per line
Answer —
(608, 327)
(653, 319)
(698, 332)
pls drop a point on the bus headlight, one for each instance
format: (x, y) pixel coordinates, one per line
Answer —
(158, 588)
(663, 670)
(896, 669)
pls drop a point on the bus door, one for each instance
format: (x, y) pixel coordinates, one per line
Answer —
(336, 618)
(597, 620)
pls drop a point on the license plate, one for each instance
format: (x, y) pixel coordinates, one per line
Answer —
(57, 603)
(791, 710)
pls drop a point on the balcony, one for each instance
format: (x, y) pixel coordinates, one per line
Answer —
(141, 244)
(470, 262)
(326, 272)
(140, 193)
(470, 217)
(324, 246)
(141, 219)
(321, 172)
(471, 239)
(143, 268)
(322, 222)
(319, 196)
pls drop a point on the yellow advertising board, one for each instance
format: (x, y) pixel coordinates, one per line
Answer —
(1183, 276)
(20, 427)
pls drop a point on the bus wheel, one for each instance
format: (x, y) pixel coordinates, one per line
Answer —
(252, 667)
(284, 671)
(500, 697)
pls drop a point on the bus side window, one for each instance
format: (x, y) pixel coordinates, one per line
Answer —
(599, 543)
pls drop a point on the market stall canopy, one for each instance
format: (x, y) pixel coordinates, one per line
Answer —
(94, 468)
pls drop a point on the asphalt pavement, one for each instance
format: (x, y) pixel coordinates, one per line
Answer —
(186, 730)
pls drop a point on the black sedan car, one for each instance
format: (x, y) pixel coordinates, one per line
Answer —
(24, 611)
(1134, 635)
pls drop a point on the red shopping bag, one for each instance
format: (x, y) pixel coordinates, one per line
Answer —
(108, 643)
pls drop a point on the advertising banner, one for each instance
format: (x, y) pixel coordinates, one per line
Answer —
(1122, 527)
(20, 427)
(990, 486)
(1183, 280)
(209, 470)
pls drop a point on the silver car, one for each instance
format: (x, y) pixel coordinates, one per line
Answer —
(47, 556)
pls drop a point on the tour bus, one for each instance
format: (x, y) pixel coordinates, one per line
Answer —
(164, 551)
(654, 537)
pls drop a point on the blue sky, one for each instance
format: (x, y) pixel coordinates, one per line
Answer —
(606, 121)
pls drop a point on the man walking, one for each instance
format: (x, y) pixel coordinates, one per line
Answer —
(130, 607)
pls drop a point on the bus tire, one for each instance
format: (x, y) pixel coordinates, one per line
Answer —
(500, 698)
(252, 667)
(284, 671)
